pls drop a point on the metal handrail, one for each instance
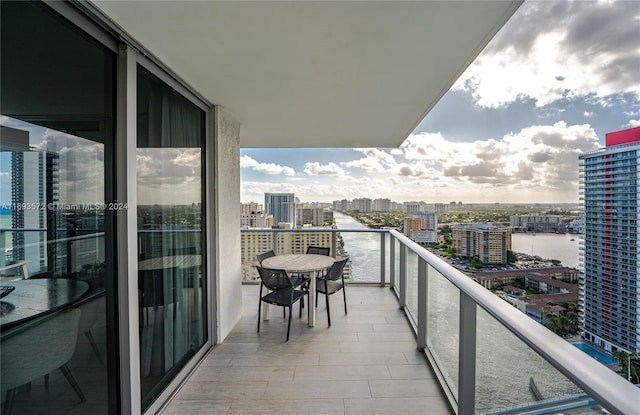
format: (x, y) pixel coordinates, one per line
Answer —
(605, 386)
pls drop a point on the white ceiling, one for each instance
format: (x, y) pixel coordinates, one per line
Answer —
(316, 73)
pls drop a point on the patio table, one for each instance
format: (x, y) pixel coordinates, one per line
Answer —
(302, 264)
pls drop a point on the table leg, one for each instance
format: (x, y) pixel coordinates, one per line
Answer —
(265, 309)
(312, 300)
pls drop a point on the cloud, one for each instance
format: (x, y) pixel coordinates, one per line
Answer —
(80, 165)
(266, 168)
(169, 176)
(549, 52)
(542, 158)
(331, 169)
(374, 160)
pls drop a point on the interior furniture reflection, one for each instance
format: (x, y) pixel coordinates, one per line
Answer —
(170, 302)
(38, 348)
(35, 298)
(24, 273)
(332, 282)
(282, 293)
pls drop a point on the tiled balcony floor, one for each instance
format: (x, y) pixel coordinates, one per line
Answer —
(365, 363)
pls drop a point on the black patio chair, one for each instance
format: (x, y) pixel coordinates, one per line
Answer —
(265, 255)
(331, 283)
(296, 280)
(282, 293)
(318, 250)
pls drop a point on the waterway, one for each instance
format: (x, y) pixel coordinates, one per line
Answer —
(362, 247)
(563, 247)
(504, 364)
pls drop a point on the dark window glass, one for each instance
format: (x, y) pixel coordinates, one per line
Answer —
(58, 333)
(170, 239)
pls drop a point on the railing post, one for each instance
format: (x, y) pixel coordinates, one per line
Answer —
(392, 261)
(467, 356)
(423, 287)
(403, 276)
(383, 257)
(274, 242)
(333, 243)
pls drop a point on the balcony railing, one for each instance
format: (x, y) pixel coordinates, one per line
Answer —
(81, 255)
(488, 356)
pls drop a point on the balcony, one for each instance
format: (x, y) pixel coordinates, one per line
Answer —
(366, 362)
(420, 336)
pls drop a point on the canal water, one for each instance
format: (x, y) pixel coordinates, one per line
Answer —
(563, 247)
(504, 364)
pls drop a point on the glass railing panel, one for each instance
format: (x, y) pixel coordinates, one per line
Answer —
(396, 263)
(363, 248)
(412, 285)
(512, 378)
(443, 325)
(20, 246)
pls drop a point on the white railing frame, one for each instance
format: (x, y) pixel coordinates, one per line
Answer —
(606, 387)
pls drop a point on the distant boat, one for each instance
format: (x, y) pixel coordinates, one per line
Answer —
(572, 239)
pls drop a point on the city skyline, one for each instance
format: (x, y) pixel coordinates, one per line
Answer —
(548, 87)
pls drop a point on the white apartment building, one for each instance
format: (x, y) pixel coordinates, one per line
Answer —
(256, 220)
(250, 207)
(381, 205)
(489, 243)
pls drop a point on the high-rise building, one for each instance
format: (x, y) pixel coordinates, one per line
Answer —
(314, 216)
(489, 243)
(538, 223)
(341, 205)
(251, 207)
(414, 207)
(610, 260)
(430, 220)
(441, 207)
(381, 205)
(363, 205)
(281, 206)
(256, 220)
(411, 224)
(34, 185)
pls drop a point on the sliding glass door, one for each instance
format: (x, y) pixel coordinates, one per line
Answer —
(169, 163)
(57, 324)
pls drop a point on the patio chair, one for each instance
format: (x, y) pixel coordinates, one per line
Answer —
(282, 293)
(319, 250)
(331, 283)
(315, 250)
(265, 255)
(296, 280)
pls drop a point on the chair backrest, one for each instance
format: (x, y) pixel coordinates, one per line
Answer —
(318, 250)
(265, 255)
(39, 349)
(335, 272)
(274, 279)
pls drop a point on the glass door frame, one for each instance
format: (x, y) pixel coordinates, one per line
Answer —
(90, 19)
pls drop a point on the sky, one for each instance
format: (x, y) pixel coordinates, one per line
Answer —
(555, 79)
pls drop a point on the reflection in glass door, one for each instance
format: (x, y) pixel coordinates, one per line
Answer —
(170, 239)
(57, 332)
